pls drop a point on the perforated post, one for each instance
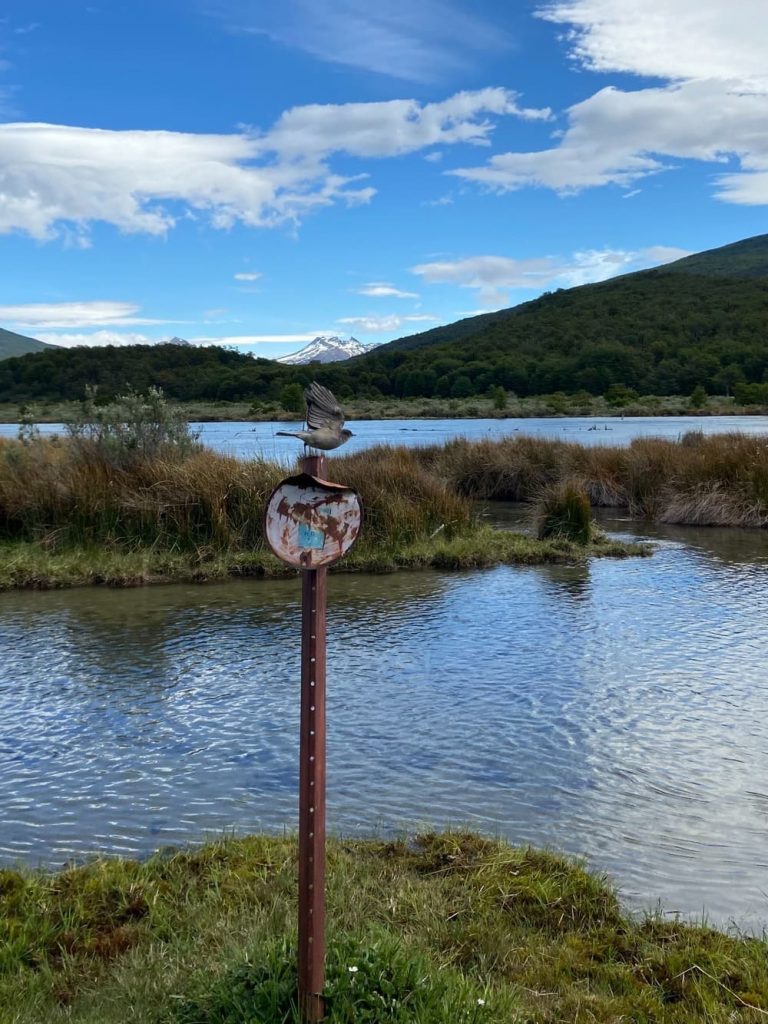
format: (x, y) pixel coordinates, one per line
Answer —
(312, 786)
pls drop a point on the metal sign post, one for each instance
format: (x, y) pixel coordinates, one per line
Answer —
(311, 523)
(312, 785)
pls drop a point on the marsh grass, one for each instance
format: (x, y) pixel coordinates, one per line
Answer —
(432, 923)
(720, 480)
(62, 495)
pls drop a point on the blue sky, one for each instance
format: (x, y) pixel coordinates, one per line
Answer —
(257, 173)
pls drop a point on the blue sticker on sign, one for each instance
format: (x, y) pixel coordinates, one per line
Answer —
(309, 538)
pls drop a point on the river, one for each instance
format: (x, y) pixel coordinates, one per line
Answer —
(616, 711)
(250, 440)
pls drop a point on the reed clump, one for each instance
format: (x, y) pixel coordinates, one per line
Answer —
(563, 510)
(720, 480)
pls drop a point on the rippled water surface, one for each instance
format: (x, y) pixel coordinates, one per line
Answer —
(259, 439)
(619, 710)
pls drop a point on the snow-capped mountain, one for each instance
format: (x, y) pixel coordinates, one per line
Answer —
(326, 349)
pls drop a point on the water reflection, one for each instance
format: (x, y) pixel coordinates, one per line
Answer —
(615, 709)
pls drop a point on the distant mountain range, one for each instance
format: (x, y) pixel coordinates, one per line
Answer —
(702, 320)
(326, 349)
(18, 345)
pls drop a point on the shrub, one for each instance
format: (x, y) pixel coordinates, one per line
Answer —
(563, 511)
(133, 426)
(619, 395)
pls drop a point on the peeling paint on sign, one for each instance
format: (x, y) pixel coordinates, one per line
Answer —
(311, 522)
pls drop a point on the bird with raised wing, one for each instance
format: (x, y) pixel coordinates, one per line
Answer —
(325, 420)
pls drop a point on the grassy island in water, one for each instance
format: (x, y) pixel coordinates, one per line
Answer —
(127, 509)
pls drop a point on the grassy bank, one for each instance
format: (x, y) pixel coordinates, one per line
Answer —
(720, 480)
(32, 566)
(73, 514)
(430, 408)
(442, 929)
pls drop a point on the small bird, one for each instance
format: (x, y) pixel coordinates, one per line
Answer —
(325, 420)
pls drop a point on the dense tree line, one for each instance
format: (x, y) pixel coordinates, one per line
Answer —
(658, 332)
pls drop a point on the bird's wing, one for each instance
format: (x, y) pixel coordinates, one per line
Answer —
(322, 408)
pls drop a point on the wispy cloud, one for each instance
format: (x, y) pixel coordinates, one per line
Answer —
(495, 277)
(379, 324)
(384, 290)
(98, 339)
(423, 41)
(249, 276)
(75, 314)
(244, 340)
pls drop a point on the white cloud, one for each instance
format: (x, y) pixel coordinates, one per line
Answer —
(54, 176)
(419, 41)
(393, 127)
(383, 290)
(75, 314)
(672, 39)
(618, 137)
(253, 276)
(494, 277)
(713, 109)
(376, 324)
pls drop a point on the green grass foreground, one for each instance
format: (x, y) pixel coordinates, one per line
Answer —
(445, 928)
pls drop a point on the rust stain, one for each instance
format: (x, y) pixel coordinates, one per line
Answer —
(332, 512)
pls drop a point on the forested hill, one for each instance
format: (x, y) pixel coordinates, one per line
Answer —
(700, 321)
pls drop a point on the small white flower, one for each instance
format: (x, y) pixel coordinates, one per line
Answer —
(352, 970)
(481, 1002)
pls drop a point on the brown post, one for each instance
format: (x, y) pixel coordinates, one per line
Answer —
(312, 786)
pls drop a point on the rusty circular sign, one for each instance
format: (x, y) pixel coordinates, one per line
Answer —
(311, 522)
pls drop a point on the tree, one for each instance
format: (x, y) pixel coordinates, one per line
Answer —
(699, 397)
(292, 398)
(499, 398)
(462, 388)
